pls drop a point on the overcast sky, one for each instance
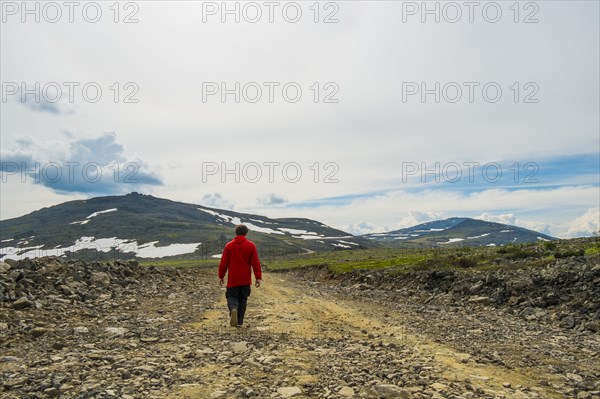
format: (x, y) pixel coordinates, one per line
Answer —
(375, 117)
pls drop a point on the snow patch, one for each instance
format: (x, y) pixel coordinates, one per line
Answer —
(261, 221)
(148, 250)
(82, 222)
(341, 245)
(309, 237)
(296, 231)
(267, 230)
(483, 235)
(93, 215)
(348, 242)
(451, 240)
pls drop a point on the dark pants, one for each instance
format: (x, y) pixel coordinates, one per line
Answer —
(237, 298)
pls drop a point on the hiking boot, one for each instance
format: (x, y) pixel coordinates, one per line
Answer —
(233, 318)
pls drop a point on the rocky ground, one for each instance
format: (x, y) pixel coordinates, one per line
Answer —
(119, 330)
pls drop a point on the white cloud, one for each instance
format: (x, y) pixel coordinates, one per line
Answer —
(360, 228)
(271, 199)
(216, 200)
(415, 217)
(513, 220)
(585, 225)
(98, 165)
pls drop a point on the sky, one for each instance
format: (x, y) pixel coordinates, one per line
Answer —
(368, 116)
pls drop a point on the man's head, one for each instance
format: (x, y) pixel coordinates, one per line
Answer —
(241, 230)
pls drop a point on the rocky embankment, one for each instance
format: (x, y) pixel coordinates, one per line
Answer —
(81, 330)
(566, 292)
(545, 318)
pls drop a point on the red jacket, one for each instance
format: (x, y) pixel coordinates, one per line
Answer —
(238, 257)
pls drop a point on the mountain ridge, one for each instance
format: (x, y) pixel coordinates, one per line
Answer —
(455, 230)
(139, 225)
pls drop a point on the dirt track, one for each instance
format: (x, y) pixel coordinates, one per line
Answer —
(320, 342)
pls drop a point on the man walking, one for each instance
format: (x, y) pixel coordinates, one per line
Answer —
(239, 256)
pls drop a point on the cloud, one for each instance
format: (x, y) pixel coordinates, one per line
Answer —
(271, 199)
(98, 165)
(513, 220)
(585, 225)
(39, 99)
(216, 200)
(505, 218)
(550, 211)
(417, 217)
(360, 228)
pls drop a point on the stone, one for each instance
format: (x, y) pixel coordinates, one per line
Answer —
(58, 345)
(439, 387)
(483, 300)
(288, 392)
(22, 303)
(118, 331)
(237, 360)
(4, 267)
(101, 279)
(391, 391)
(239, 347)
(370, 280)
(593, 326)
(50, 392)
(568, 322)
(528, 313)
(346, 392)
(38, 332)
(574, 377)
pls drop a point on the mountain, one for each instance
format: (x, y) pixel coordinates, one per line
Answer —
(457, 231)
(143, 226)
(146, 226)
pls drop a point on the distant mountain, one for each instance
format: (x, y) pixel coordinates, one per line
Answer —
(457, 231)
(146, 226)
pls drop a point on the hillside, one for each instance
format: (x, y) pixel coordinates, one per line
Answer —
(146, 226)
(458, 231)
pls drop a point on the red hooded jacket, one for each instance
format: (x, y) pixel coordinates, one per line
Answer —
(238, 257)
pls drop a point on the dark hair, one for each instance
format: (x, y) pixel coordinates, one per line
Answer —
(241, 230)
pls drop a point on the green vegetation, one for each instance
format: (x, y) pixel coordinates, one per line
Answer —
(401, 260)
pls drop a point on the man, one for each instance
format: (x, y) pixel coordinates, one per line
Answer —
(239, 256)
